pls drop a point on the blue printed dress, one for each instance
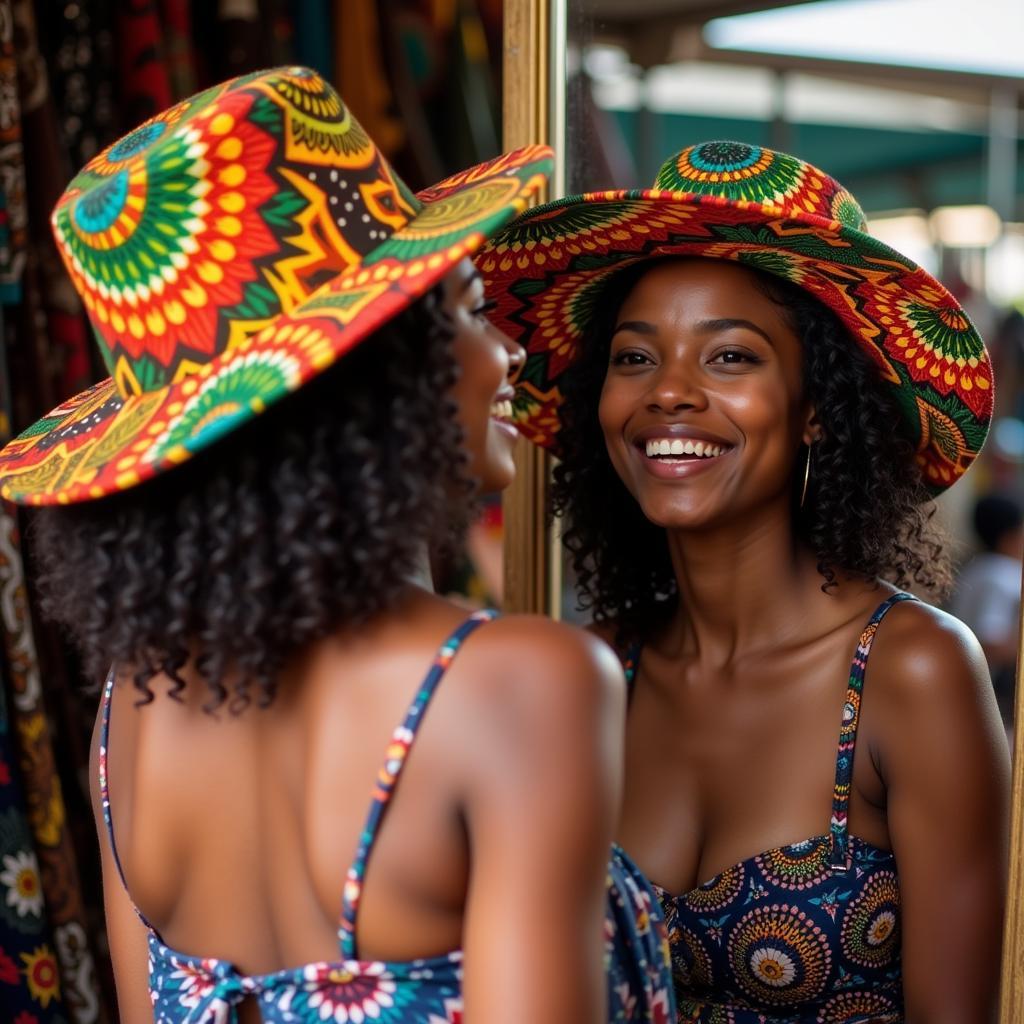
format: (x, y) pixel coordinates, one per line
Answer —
(201, 990)
(802, 934)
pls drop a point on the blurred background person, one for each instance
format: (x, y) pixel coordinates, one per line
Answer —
(987, 594)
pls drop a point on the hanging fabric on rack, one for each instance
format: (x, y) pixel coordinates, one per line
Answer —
(79, 55)
(241, 37)
(14, 220)
(29, 976)
(44, 344)
(145, 85)
(29, 973)
(313, 36)
(361, 75)
(50, 854)
(176, 16)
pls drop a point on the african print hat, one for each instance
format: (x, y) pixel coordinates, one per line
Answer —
(229, 250)
(731, 201)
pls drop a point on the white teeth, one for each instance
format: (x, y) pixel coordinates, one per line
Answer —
(676, 446)
(502, 410)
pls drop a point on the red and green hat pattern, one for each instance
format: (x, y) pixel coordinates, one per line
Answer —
(764, 209)
(227, 251)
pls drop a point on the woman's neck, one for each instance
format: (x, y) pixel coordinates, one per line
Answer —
(739, 585)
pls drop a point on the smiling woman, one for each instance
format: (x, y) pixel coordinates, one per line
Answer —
(734, 376)
(853, 497)
(754, 402)
(482, 391)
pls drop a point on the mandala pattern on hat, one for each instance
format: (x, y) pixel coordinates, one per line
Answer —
(319, 129)
(229, 250)
(160, 249)
(772, 212)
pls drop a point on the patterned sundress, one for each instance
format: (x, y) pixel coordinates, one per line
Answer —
(805, 933)
(201, 990)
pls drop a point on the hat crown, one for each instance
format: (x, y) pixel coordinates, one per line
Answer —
(181, 237)
(737, 171)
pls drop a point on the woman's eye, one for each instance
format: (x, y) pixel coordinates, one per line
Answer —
(484, 308)
(733, 356)
(629, 358)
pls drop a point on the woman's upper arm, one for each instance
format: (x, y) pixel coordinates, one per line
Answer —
(126, 934)
(541, 804)
(945, 762)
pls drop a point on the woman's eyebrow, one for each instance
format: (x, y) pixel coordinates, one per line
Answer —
(636, 326)
(728, 324)
(716, 326)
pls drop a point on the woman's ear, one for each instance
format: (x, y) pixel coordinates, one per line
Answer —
(812, 432)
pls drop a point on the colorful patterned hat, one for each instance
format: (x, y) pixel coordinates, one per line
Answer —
(227, 251)
(731, 201)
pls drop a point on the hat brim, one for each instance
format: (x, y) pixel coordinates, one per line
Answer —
(546, 268)
(100, 442)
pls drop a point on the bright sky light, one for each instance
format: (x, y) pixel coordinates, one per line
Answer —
(980, 35)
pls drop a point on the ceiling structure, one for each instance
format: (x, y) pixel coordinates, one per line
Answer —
(888, 167)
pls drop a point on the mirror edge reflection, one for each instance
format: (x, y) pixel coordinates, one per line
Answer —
(1011, 1002)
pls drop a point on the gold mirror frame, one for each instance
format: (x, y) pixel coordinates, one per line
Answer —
(533, 111)
(531, 62)
(1012, 982)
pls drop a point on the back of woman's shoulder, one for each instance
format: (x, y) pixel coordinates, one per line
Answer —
(536, 658)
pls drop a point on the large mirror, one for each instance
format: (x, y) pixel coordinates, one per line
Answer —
(927, 136)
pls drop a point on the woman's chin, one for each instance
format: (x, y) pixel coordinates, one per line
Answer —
(681, 515)
(497, 479)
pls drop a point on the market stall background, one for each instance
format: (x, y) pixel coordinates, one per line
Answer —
(931, 146)
(424, 78)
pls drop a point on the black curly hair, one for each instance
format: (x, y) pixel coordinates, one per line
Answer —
(307, 518)
(867, 513)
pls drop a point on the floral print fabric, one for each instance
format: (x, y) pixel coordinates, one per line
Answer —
(808, 932)
(30, 991)
(196, 990)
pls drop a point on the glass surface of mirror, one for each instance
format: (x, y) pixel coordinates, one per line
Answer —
(928, 146)
(922, 123)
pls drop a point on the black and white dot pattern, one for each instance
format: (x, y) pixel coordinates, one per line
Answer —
(76, 429)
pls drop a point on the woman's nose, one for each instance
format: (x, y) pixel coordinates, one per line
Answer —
(516, 357)
(676, 387)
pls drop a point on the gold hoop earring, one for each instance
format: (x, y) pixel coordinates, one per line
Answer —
(807, 477)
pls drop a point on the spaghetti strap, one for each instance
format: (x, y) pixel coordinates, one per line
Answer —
(108, 692)
(839, 832)
(398, 750)
(630, 659)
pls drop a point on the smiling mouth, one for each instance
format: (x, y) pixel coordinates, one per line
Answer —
(502, 411)
(678, 449)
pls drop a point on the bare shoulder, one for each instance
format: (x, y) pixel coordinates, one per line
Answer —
(529, 657)
(545, 651)
(539, 700)
(923, 655)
